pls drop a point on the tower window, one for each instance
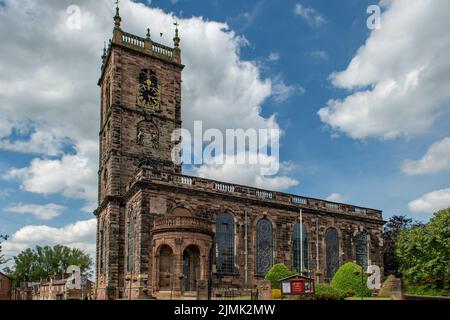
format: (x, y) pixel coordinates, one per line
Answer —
(131, 241)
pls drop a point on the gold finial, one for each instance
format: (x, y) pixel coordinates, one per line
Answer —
(117, 18)
(176, 40)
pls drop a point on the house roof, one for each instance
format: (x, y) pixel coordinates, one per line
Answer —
(4, 275)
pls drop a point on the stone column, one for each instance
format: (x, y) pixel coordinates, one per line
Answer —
(178, 271)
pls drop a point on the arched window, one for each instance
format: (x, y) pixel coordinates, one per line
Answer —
(300, 236)
(361, 249)
(131, 241)
(332, 251)
(225, 243)
(264, 246)
(102, 246)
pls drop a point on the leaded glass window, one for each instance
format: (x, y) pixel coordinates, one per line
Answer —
(332, 251)
(131, 241)
(296, 245)
(361, 249)
(225, 243)
(264, 246)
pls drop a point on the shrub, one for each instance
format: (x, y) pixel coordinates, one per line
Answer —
(276, 273)
(424, 290)
(276, 294)
(327, 292)
(385, 291)
(348, 278)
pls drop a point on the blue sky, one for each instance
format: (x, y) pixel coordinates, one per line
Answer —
(295, 46)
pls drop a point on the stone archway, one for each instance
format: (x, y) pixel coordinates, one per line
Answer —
(166, 268)
(191, 268)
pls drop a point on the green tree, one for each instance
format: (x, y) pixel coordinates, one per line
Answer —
(276, 273)
(390, 234)
(2, 256)
(424, 252)
(42, 262)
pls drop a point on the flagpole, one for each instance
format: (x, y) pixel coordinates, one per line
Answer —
(301, 241)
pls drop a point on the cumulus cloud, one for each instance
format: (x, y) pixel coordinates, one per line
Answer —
(41, 212)
(74, 175)
(49, 85)
(400, 78)
(248, 174)
(435, 160)
(282, 91)
(431, 202)
(81, 235)
(335, 197)
(312, 17)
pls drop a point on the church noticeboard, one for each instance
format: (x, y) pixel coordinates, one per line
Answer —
(297, 285)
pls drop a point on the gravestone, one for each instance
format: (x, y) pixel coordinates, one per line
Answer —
(396, 289)
(264, 290)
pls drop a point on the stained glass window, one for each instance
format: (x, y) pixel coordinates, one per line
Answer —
(361, 249)
(332, 252)
(264, 246)
(296, 239)
(225, 243)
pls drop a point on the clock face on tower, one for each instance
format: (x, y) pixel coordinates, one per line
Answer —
(148, 95)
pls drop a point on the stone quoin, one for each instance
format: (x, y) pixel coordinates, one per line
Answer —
(167, 235)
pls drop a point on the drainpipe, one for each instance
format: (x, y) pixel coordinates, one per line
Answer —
(317, 248)
(246, 249)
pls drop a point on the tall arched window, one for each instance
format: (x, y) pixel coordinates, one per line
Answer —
(225, 243)
(361, 249)
(264, 246)
(102, 247)
(131, 241)
(296, 245)
(332, 251)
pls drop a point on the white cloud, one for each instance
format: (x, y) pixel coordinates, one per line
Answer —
(248, 174)
(273, 56)
(431, 202)
(282, 92)
(436, 159)
(319, 55)
(335, 197)
(49, 84)
(81, 235)
(41, 212)
(74, 176)
(400, 77)
(311, 16)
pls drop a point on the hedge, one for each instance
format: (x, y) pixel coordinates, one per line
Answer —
(348, 278)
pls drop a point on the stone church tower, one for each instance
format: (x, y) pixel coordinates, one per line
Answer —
(140, 108)
(163, 234)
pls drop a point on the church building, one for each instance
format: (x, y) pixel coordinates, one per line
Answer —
(164, 234)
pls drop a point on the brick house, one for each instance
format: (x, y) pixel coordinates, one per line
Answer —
(161, 232)
(5, 287)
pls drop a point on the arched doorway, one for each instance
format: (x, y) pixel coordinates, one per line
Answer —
(165, 268)
(191, 268)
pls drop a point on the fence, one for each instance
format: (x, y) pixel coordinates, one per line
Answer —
(226, 293)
